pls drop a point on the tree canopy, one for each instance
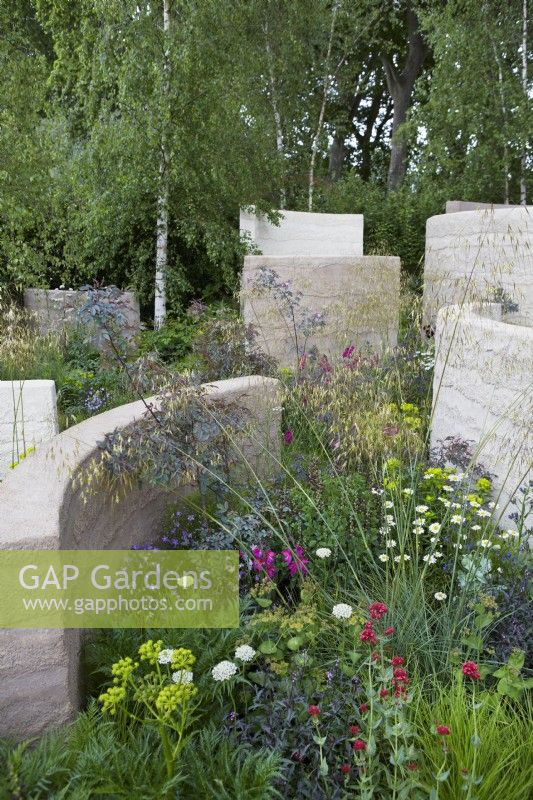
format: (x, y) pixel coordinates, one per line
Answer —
(132, 132)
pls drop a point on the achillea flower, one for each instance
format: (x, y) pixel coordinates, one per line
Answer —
(443, 730)
(377, 610)
(440, 595)
(368, 635)
(313, 711)
(383, 693)
(397, 661)
(470, 669)
(383, 557)
(359, 744)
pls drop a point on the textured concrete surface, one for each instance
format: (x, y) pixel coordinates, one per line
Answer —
(483, 392)
(53, 309)
(358, 296)
(28, 416)
(453, 206)
(472, 254)
(40, 508)
(301, 233)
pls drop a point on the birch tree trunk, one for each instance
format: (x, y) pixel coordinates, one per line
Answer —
(275, 110)
(523, 162)
(161, 259)
(316, 138)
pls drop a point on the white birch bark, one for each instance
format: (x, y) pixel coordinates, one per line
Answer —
(316, 138)
(280, 147)
(161, 259)
(523, 163)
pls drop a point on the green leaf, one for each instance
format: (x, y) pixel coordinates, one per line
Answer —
(295, 642)
(268, 647)
(264, 602)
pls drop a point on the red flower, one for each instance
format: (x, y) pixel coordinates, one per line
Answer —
(397, 661)
(383, 692)
(388, 631)
(377, 610)
(400, 675)
(363, 708)
(470, 669)
(314, 711)
(359, 745)
(443, 730)
(412, 765)
(354, 729)
(345, 768)
(368, 635)
(375, 655)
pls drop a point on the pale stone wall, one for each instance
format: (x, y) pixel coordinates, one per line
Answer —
(41, 509)
(358, 296)
(28, 416)
(483, 392)
(453, 206)
(471, 254)
(53, 309)
(303, 233)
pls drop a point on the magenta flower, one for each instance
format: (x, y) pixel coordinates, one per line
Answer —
(264, 562)
(295, 561)
(348, 351)
(288, 436)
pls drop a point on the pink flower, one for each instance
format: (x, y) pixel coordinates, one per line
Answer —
(348, 351)
(363, 708)
(470, 669)
(383, 692)
(345, 768)
(264, 562)
(288, 436)
(443, 730)
(354, 729)
(296, 563)
(301, 362)
(313, 711)
(359, 744)
(388, 631)
(368, 635)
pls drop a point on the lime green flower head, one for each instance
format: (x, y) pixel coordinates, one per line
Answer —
(111, 699)
(150, 650)
(170, 697)
(182, 659)
(122, 670)
(484, 485)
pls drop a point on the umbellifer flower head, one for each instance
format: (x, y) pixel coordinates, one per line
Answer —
(182, 676)
(223, 670)
(244, 652)
(342, 611)
(323, 552)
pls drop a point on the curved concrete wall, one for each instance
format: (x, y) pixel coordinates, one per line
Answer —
(40, 508)
(472, 253)
(303, 233)
(483, 391)
(359, 298)
(28, 416)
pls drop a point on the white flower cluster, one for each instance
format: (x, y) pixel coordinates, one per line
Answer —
(440, 595)
(165, 656)
(244, 652)
(182, 676)
(323, 552)
(224, 670)
(342, 611)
